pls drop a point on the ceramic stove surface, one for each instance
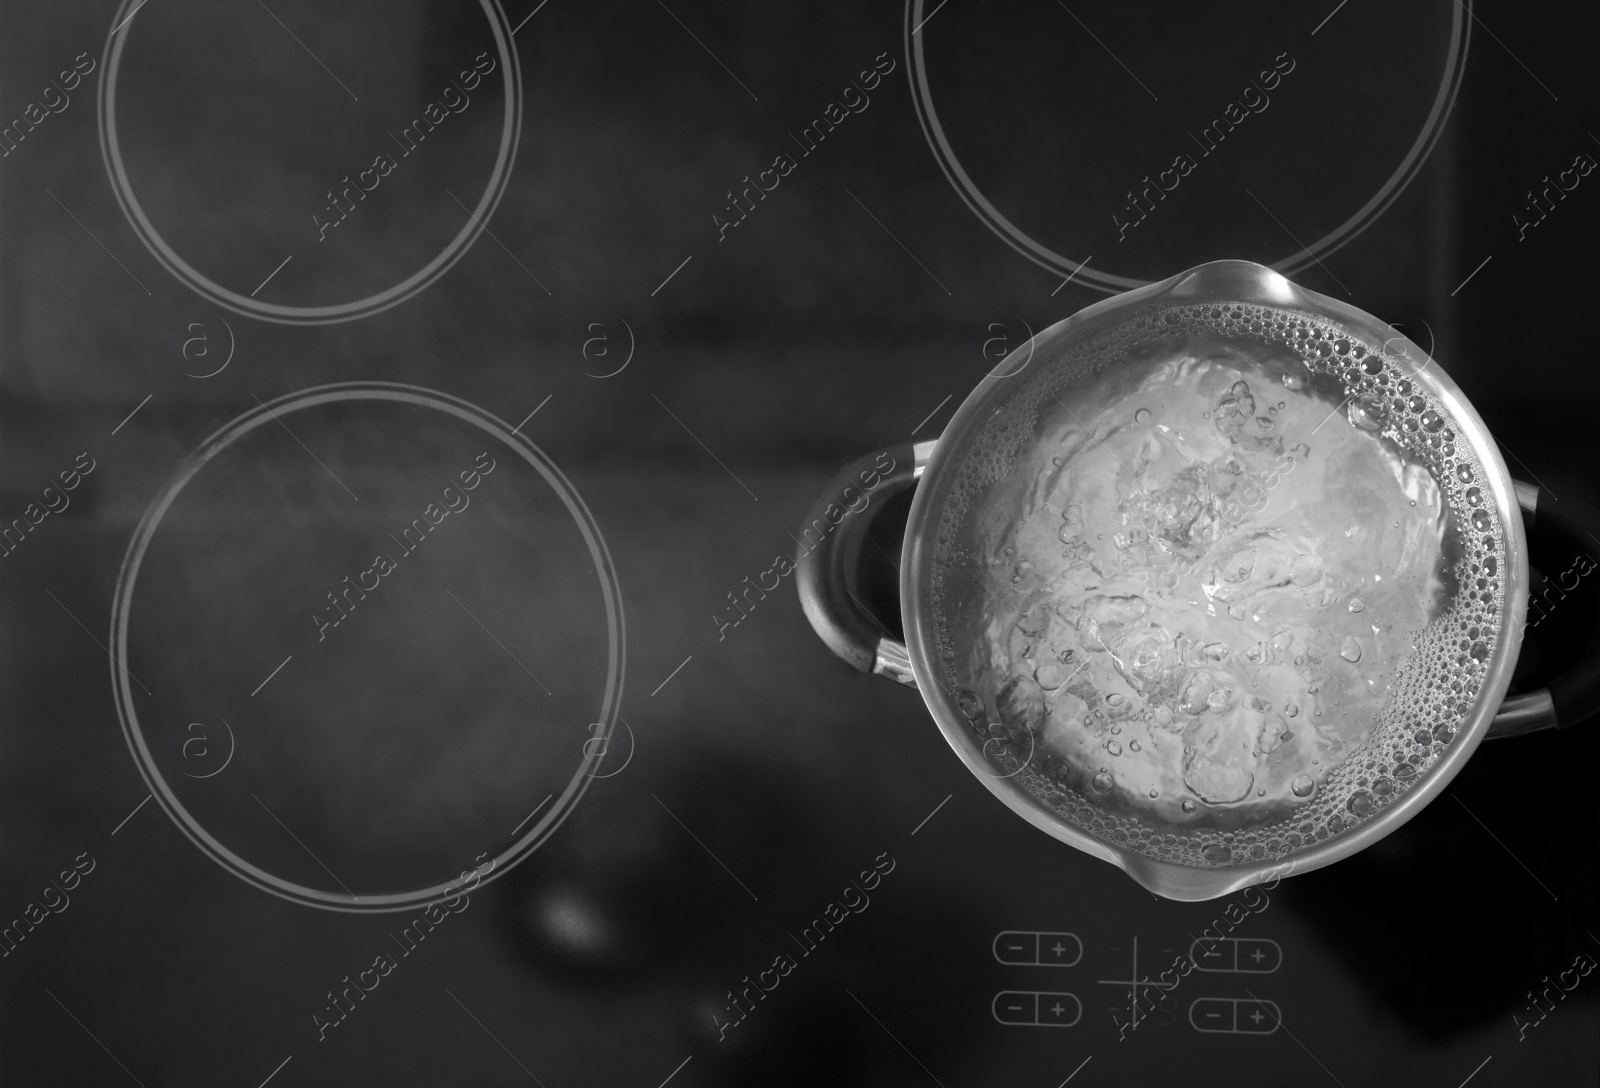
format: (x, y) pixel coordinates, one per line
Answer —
(404, 408)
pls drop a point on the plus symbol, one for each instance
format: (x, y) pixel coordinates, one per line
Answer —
(1058, 948)
(1257, 1017)
(1258, 956)
(1058, 1010)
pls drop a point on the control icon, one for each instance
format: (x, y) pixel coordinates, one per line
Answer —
(1036, 1009)
(1234, 1016)
(1032, 948)
(1240, 955)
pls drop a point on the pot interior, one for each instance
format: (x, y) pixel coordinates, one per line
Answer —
(1214, 583)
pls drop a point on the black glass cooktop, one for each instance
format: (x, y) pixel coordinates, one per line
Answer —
(407, 411)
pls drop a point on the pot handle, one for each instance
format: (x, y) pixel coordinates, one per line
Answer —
(1575, 694)
(827, 538)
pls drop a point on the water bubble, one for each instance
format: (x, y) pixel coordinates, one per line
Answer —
(1360, 803)
(1474, 497)
(1154, 794)
(1293, 381)
(970, 704)
(1350, 650)
(1303, 785)
(1291, 710)
(1368, 412)
(1133, 746)
(1479, 651)
(1464, 473)
(1217, 854)
(1142, 416)
(1114, 747)
(1102, 782)
(1187, 806)
(1356, 604)
(1432, 421)
(1240, 388)
(1236, 611)
(1481, 520)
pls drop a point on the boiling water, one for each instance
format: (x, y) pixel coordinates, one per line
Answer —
(1207, 585)
(1197, 584)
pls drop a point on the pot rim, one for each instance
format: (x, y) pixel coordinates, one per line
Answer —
(1227, 281)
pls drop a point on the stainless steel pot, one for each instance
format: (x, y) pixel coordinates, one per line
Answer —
(1399, 767)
